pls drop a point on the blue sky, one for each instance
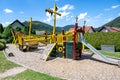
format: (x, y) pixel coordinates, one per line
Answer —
(95, 12)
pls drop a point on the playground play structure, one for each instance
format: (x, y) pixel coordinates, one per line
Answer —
(25, 42)
(72, 49)
(57, 45)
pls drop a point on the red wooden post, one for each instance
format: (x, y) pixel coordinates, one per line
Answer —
(63, 43)
(74, 41)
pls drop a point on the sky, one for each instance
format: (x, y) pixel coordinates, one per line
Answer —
(94, 12)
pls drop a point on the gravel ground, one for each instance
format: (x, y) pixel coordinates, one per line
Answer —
(89, 68)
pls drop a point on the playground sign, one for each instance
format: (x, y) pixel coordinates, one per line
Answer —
(108, 48)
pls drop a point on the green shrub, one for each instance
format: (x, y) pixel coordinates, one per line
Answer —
(2, 46)
(101, 38)
(3, 41)
(9, 40)
(4, 36)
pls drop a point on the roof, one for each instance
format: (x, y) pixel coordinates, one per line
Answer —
(87, 28)
(71, 29)
(111, 29)
(18, 22)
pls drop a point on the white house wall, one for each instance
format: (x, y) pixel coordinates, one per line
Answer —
(16, 24)
(104, 30)
(90, 31)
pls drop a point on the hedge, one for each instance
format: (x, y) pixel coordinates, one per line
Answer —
(102, 38)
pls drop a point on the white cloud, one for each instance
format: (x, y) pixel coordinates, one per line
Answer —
(8, 10)
(99, 15)
(65, 11)
(6, 23)
(49, 17)
(82, 15)
(66, 7)
(69, 18)
(116, 6)
(112, 7)
(64, 14)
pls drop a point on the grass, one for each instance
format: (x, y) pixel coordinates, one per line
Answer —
(26, 75)
(31, 75)
(111, 54)
(5, 64)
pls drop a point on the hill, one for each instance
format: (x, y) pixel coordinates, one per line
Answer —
(37, 25)
(114, 23)
(67, 27)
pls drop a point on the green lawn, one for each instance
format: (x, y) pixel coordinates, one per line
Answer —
(5, 64)
(26, 75)
(31, 75)
(111, 54)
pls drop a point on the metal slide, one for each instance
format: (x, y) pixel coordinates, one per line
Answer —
(106, 59)
(47, 51)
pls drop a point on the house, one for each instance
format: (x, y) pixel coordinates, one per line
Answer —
(71, 30)
(39, 32)
(88, 29)
(109, 29)
(17, 23)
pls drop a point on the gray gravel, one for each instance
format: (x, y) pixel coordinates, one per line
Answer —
(89, 68)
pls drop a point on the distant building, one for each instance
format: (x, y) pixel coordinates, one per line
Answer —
(17, 23)
(39, 32)
(88, 29)
(109, 29)
(71, 30)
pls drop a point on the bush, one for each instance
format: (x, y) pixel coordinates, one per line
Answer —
(7, 34)
(9, 40)
(7, 31)
(4, 36)
(101, 38)
(2, 41)
(1, 46)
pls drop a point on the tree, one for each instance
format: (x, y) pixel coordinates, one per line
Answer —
(7, 30)
(18, 28)
(25, 30)
(33, 32)
(1, 28)
(7, 35)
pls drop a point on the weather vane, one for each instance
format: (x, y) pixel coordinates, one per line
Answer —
(76, 19)
(85, 22)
